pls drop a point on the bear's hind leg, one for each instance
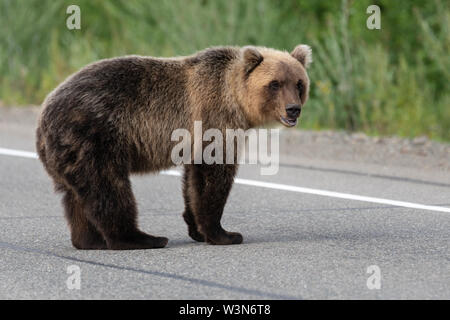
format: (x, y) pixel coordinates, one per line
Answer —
(213, 184)
(112, 210)
(188, 214)
(84, 235)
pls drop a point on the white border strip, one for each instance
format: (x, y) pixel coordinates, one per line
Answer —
(277, 186)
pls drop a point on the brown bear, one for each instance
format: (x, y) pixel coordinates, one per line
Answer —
(115, 117)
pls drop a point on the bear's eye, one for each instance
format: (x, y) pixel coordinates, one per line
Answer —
(274, 85)
(300, 87)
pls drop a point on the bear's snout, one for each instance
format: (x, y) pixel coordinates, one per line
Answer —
(293, 111)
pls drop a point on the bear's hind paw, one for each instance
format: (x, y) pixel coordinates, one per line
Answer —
(139, 241)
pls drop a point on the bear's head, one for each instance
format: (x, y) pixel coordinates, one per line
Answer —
(275, 84)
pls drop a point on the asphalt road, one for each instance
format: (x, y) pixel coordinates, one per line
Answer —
(296, 245)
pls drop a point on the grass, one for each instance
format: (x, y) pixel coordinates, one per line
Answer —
(377, 81)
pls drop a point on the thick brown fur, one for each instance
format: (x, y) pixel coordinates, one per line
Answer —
(115, 117)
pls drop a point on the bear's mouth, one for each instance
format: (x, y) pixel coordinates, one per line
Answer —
(288, 122)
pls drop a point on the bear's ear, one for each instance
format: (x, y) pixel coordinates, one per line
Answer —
(303, 53)
(252, 58)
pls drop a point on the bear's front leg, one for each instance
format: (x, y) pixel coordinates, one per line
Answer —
(212, 185)
(189, 195)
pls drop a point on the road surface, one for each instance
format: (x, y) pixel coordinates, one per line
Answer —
(298, 243)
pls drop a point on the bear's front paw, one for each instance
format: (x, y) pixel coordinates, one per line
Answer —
(195, 235)
(225, 238)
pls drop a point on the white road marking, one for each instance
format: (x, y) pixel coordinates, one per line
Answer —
(340, 195)
(18, 153)
(278, 186)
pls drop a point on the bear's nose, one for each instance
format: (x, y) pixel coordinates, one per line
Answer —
(293, 110)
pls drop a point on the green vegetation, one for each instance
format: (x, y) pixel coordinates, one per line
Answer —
(390, 81)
